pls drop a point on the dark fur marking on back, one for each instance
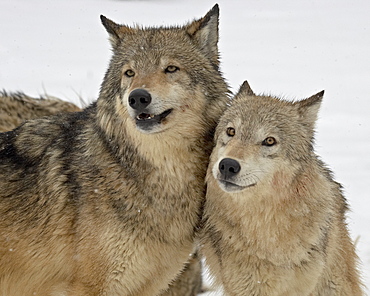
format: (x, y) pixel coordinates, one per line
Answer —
(9, 153)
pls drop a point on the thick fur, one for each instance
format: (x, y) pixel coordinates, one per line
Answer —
(107, 201)
(276, 224)
(18, 107)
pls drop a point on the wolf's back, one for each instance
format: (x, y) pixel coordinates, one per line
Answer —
(17, 107)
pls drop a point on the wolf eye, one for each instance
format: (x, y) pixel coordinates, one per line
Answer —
(230, 131)
(171, 69)
(130, 73)
(269, 141)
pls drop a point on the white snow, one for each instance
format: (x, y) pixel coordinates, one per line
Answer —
(290, 48)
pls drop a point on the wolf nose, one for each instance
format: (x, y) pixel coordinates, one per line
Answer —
(228, 168)
(139, 99)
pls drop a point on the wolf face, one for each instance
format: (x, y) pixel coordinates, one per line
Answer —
(158, 70)
(258, 136)
(155, 94)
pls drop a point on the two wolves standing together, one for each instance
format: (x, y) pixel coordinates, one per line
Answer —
(110, 200)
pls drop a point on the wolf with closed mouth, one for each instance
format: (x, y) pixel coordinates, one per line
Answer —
(108, 201)
(274, 217)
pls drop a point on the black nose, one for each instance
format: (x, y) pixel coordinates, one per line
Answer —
(228, 168)
(139, 99)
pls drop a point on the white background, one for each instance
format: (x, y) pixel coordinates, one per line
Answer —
(287, 47)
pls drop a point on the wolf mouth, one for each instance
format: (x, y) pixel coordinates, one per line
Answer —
(145, 120)
(229, 186)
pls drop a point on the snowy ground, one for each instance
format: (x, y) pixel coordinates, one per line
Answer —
(291, 48)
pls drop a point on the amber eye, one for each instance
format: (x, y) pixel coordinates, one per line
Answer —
(269, 141)
(171, 69)
(130, 73)
(230, 131)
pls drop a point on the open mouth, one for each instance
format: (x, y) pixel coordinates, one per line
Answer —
(146, 120)
(232, 187)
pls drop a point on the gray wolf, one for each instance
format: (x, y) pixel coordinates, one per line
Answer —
(18, 107)
(108, 201)
(15, 108)
(274, 217)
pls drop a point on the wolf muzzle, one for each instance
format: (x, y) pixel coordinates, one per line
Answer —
(140, 100)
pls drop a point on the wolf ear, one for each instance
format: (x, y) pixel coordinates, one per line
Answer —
(115, 31)
(205, 33)
(309, 108)
(245, 89)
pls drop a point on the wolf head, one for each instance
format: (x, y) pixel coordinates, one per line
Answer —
(164, 78)
(263, 140)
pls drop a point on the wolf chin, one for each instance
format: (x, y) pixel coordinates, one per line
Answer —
(108, 201)
(274, 217)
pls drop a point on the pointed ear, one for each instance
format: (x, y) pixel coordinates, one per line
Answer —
(309, 108)
(205, 34)
(116, 32)
(245, 89)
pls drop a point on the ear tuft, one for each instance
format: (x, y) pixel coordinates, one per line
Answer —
(246, 89)
(309, 108)
(111, 27)
(205, 34)
(115, 31)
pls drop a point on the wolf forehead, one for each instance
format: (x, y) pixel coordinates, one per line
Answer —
(141, 49)
(255, 110)
(155, 39)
